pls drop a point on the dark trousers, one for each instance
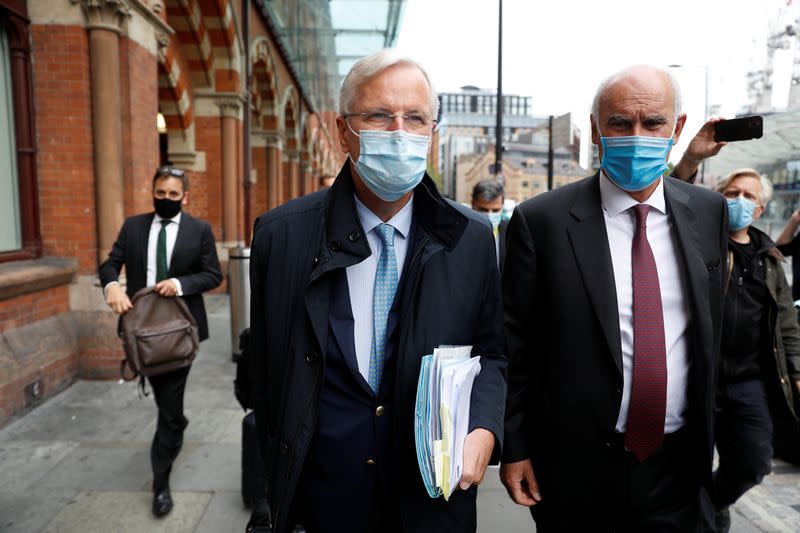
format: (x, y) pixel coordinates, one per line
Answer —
(743, 428)
(659, 495)
(168, 391)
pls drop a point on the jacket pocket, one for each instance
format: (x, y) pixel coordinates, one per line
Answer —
(171, 341)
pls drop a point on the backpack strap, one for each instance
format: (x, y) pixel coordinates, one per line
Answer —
(142, 382)
(122, 366)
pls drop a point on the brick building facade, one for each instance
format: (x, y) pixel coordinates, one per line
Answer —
(86, 81)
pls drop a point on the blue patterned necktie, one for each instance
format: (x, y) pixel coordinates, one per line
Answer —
(386, 279)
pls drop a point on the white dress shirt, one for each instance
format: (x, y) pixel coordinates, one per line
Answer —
(361, 276)
(620, 226)
(152, 244)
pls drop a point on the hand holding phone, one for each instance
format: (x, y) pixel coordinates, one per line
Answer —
(739, 129)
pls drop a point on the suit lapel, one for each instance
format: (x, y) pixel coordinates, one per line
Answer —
(143, 243)
(343, 326)
(684, 221)
(589, 241)
(184, 230)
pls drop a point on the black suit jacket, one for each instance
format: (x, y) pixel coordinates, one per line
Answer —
(562, 329)
(194, 261)
(502, 232)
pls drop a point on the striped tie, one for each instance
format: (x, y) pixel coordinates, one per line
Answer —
(386, 280)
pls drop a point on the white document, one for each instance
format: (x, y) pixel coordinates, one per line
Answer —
(444, 394)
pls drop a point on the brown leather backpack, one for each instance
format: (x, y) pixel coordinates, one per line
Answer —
(159, 335)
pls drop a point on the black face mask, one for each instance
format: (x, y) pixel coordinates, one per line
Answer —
(167, 208)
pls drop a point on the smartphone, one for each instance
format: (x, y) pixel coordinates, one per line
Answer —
(739, 129)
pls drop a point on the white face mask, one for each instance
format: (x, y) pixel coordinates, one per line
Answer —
(391, 163)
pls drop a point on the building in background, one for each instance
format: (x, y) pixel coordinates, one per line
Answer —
(524, 170)
(468, 122)
(95, 94)
(774, 89)
(773, 82)
(525, 154)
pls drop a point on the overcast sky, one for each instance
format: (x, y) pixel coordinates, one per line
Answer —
(557, 51)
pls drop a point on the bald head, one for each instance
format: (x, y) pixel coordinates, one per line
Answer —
(639, 81)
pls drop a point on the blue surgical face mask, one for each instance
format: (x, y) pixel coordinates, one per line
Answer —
(633, 163)
(740, 212)
(391, 163)
(495, 218)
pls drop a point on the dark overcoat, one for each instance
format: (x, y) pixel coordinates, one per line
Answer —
(450, 295)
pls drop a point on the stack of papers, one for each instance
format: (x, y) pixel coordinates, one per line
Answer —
(441, 416)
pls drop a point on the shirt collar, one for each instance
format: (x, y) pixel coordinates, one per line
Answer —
(176, 219)
(401, 221)
(616, 201)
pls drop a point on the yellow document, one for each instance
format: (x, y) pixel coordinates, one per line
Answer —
(447, 439)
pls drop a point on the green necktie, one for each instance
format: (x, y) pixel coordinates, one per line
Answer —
(161, 252)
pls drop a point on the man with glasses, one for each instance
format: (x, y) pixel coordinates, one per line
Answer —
(351, 287)
(174, 252)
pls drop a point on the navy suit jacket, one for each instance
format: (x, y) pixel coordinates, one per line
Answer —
(449, 294)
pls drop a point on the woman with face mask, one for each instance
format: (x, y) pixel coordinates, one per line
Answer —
(759, 366)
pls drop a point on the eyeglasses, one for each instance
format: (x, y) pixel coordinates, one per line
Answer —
(170, 171)
(379, 120)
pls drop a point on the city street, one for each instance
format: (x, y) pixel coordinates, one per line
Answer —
(80, 462)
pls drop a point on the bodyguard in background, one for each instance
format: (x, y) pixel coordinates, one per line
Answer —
(174, 252)
(487, 198)
(759, 372)
(351, 287)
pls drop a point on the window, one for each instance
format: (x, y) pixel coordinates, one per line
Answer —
(20, 236)
(10, 223)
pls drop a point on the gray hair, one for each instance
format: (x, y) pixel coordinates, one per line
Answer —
(487, 190)
(624, 73)
(368, 67)
(766, 185)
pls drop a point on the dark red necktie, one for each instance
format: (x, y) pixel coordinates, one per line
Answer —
(648, 404)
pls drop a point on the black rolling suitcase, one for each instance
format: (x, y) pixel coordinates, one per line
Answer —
(253, 479)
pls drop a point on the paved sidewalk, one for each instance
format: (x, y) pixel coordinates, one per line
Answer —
(80, 462)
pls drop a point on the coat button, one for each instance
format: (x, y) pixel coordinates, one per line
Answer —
(311, 358)
(335, 246)
(284, 448)
(370, 462)
(353, 237)
(380, 410)
(783, 381)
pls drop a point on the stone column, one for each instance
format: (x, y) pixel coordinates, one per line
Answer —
(104, 21)
(230, 150)
(293, 159)
(309, 178)
(274, 169)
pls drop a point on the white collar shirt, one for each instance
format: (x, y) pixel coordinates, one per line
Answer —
(620, 227)
(361, 276)
(152, 243)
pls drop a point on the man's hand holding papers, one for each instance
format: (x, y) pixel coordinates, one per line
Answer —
(448, 457)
